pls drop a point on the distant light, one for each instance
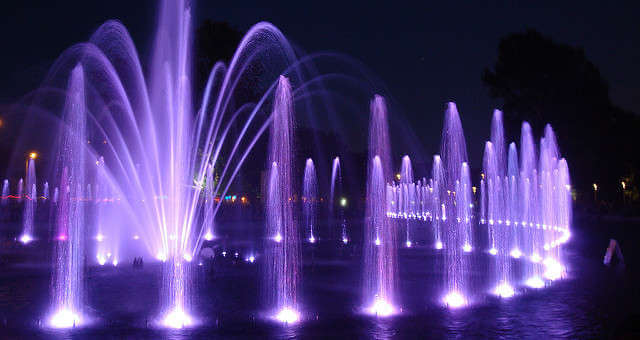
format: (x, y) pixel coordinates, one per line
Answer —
(504, 290)
(115, 262)
(516, 253)
(278, 238)
(466, 248)
(64, 318)
(493, 251)
(624, 185)
(535, 282)
(474, 189)
(287, 315)
(454, 300)
(33, 155)
(409, 244)
(398, 176)
(177, 318)
(343, 202)
(381, 308)
(377, 241)
(236, 254)
(595, 187)
(26, 238)
(252, 259)
(438, 245)
(224, 253)
(101, 260)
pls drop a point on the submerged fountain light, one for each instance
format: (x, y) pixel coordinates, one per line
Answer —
(467, 248)
(136, 237)
(99, 237)
(381, 308)
(535, 282)
(115, 262)
(312, 239)
(345, 240)
(377, 241)
(187, 257)
(438, 245)
(553, 269)
(454, 300)
(409, 244)
(278, 238)
(493, 251)
(65, 318)
(161, 257)
(208, 236)
(504, 290)
(287, 315)
(177, 319)
(252, 259)
(516, 253)
(535, 258)
(26, 238)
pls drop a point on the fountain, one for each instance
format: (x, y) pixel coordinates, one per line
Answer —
(310, 200)
(30, 203)
(67, 281)
(336, 190)
(282, 247)
(453, 152)
(380, 264)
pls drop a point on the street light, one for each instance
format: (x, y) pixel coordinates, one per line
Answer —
(595, 192)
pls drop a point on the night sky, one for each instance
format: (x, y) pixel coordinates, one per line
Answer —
(427, 54)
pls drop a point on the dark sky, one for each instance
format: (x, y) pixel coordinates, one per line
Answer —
(427, 54)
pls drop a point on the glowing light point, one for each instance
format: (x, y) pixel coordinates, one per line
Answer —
(136, 237)
(343, 202)
(409, 244)
(516, 253)
(278, 238)
(99, 237)
(287, 315)
(177, 319)
(312, 239)
(224, 253)
(115, 262)
(33, 155)
(252, 259)
(466, 248)
(161, 257)
(26, 238)
(208, 236)
(554, 270)
(381, 308)
(101, 260)
(64, 318)
(535, 258)
(345, 240)
(438, 245)
(377, 241)
(454, 300)
(187, 257)
(535, 282)
(504, 290)
(493, 251)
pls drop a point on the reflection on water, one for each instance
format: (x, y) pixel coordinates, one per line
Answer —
(591, 303)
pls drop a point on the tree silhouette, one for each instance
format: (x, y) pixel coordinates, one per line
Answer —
(541, 81)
